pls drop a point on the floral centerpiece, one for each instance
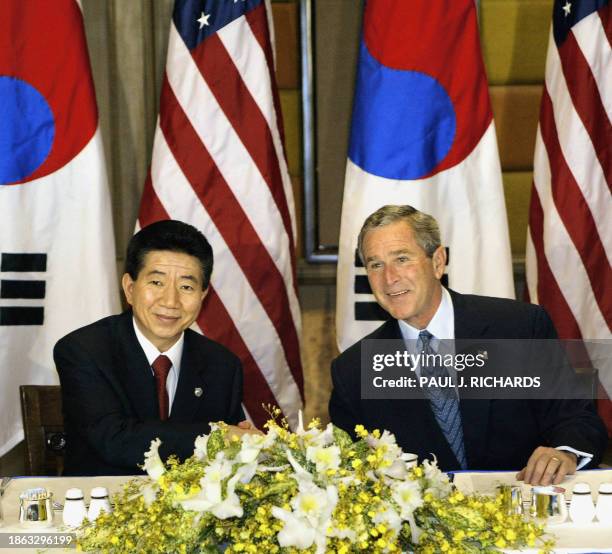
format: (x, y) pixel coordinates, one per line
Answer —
(313, 490)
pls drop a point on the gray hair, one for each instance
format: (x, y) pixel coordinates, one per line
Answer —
(424, 226)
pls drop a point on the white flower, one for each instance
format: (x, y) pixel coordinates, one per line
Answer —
(438, 483)
(216, 472)
(149, 493)
(200, 445)
(325, 457)
(316, 437)
(295, 532)
(246, 472)
(230, 505)
(310, 519)
(408, 497)
(210, 498)
(397, 470)
(252, 445)
(152, 463)
(390, 518)
(300, 473)
(387, 444)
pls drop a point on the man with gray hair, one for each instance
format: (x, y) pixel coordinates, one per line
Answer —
(401, 250)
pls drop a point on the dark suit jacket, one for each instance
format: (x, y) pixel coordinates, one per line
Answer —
(498, 434)
(110, 403)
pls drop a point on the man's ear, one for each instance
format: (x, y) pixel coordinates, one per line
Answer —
(205, 292)
(127, 283)
(439, 261)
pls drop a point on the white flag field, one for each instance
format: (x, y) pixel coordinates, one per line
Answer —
(423, 134)
(57, 251)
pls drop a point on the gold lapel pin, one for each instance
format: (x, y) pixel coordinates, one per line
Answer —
(198, 392)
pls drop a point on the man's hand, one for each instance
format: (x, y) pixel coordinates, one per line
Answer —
(243, 428)
(547, 466)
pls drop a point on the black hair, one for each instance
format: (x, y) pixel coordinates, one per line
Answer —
(171, 235)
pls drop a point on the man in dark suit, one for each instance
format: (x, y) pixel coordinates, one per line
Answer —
(401, 250)
(130, 378)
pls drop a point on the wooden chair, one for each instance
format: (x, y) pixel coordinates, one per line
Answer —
(43, 424)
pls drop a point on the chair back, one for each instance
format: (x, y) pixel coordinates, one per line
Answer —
(43, 424)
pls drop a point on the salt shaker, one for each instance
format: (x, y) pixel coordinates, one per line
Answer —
(582, 509)
(99, 503)
(74, 508)
(604, 503)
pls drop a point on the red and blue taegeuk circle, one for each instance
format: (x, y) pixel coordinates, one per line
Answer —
(47, 100)
(421, 101)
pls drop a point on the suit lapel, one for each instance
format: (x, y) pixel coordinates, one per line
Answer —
(192, 377)
(134, 371)
(474, 413)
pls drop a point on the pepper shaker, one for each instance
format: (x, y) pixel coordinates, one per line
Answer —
(74, 508)
(99, 503)
(604, 503)
(582, 509)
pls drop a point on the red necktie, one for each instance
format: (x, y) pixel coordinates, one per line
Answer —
(161, 367)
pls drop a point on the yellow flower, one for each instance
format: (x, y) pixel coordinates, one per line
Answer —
(360, 431)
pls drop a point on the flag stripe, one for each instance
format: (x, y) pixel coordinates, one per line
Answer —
(547, 292)
(233, 161)
(587, 102)
(224, 210)
(219, 163)
(251, 71)
(561, 253)
(151, 208)
(244, 114)
(236, 293)
(574, 213)
(180, 204)
(217, 324)
(591, 38)
(570, 241)
(261, 32)
(605, 16)
(576, 146)
(250, 68)
(530, 294)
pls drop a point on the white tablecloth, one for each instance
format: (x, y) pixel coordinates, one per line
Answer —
(570, 537)
(58, 486)
(594, 537)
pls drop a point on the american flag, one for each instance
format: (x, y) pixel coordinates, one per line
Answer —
(218, 163)
(569, 242)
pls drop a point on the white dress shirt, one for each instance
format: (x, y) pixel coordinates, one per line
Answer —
(174, 353)
(442, 326)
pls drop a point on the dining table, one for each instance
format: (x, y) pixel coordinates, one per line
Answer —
(594, 537)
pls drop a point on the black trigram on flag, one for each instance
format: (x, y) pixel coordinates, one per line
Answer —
(19, 289)
(371, 311)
